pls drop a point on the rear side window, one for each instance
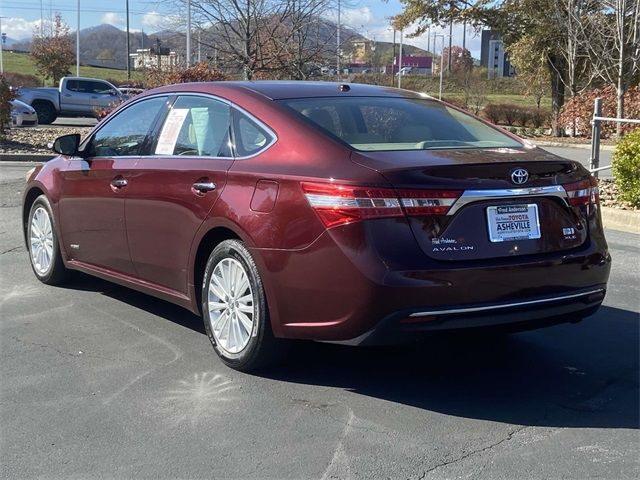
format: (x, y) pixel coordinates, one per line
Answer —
(125, 133)
(196, 127)
(250, 137)
(393, 123)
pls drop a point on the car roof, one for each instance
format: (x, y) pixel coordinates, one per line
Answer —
(283, 89)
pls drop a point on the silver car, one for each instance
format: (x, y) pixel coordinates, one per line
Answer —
(22, 115)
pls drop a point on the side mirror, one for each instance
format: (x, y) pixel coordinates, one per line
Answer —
(67, 144)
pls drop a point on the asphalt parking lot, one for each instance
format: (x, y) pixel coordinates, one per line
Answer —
(97, 381)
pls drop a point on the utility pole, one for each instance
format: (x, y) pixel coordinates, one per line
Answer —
(41, 20)
(1, 46)
(199, 46)
(394, 54)
(158, 53)
(450, 40)
(400, 62)
(188, 33)
(338, 43)
(78, 43)
(128, 46)
(464, 35)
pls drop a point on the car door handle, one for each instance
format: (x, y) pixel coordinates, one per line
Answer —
(204, 187)
(119, 182)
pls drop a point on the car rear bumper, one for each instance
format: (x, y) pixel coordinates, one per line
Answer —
(351, 284)
(528, 314)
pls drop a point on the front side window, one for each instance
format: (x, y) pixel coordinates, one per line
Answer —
(125, 133)
(394, 123)
(197, 127)
(99, 88)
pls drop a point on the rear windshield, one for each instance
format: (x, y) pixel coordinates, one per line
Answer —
(391, 123)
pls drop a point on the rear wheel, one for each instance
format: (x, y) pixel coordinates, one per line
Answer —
(46, 112)
(235, 311)
(44, 249)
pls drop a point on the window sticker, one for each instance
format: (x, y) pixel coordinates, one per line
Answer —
(200, 119)
(170, 130)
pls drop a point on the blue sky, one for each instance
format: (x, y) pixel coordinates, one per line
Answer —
(20, 17)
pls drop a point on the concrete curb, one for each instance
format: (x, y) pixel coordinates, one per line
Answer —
(624, 220)
(26, 157)
(582, 146)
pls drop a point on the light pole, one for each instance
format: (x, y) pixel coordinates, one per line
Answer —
(188, 33)
(435, 35)
(128, 46)
(1, 47)
(400, 61)
(78, 43)
(338, 42)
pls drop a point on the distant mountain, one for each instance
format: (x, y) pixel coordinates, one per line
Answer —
(9, 42)
(106, 45)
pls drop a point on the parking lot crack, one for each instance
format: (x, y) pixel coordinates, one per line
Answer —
(475, 452)
(80, 353)
(12, 249)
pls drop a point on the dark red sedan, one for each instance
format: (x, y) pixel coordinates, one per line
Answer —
(339, 212)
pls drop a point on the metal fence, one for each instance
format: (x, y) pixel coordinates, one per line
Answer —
(596, 131)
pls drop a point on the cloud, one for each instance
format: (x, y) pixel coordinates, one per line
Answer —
(112, 18)
(155, 21)
(19, 28)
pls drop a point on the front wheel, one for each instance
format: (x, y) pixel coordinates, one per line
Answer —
(235, 310)
(44, 250)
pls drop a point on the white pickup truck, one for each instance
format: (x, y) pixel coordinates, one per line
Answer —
(75, 97)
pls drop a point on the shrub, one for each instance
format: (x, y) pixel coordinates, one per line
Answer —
(200, 72)
(540, 117)
(22, 80)
(579, 110)
(6, 95)
(626, 167)
(493, 113)
(523, 115)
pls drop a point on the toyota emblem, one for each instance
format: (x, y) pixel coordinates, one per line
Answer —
(519, 176)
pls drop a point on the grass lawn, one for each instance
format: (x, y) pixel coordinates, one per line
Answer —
(22, 63)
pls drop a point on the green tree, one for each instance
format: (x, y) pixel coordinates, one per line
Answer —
(531, 68)
(52, 53)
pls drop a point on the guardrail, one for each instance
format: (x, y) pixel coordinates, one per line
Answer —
(596, 131)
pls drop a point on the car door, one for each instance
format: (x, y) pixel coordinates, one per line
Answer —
(93, 189)
(172, 190)
(76, 96)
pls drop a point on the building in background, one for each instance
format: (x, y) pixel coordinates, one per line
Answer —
(493, 57)
(419, 65)
(152, 58)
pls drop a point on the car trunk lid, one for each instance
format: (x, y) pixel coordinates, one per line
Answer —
(491, 215)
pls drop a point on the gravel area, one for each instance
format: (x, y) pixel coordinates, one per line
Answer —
(36, 140)
(609, 195)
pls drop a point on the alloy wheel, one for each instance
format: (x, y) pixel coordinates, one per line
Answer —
(41, 241)
(231, 306)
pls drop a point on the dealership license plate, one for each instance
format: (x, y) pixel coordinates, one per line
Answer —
(513, 222)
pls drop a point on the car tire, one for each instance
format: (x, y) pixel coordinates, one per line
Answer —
(46, 112)
(43, 245)
(235, 312)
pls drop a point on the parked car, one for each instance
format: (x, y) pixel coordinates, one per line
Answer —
(404, 71)
(22, 115)
(328, 71)
(318, 210)
(74, 97)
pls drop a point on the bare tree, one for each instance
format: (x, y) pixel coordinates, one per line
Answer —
(612, 38)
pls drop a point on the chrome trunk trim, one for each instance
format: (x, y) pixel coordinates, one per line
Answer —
(471, 196)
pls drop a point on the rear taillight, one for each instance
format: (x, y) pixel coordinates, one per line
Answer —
(428, 202)
(342, 204)
(584, 192)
